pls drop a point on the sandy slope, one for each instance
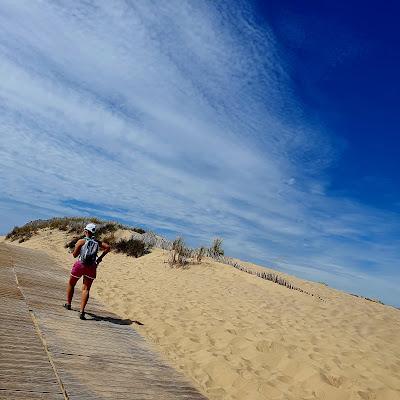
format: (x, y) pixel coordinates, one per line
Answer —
(240, 337)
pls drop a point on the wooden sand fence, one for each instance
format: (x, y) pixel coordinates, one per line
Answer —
(154, 240)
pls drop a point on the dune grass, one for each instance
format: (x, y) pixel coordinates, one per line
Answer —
(74, 226)
(141, 243)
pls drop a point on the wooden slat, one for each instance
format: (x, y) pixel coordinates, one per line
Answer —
(102, 358)
(24, 364)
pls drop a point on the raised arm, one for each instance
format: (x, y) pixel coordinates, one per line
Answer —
(106, 249)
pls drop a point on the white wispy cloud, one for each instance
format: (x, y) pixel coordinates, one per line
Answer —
(180, 116)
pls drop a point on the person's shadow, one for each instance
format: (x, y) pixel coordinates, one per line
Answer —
(118, 321)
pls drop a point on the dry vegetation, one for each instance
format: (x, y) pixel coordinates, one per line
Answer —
(74, 226)
(141, 243)
(182, 256)
(216, 250)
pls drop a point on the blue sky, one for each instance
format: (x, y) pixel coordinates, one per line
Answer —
(272, 125)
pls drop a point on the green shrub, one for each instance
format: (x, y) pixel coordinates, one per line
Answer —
(107, 228)
(139, 230)
(71, 244)
(132, 247)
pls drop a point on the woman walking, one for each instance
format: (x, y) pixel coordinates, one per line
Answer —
(85, 266)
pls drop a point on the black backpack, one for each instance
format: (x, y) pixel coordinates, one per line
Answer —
(88, 253)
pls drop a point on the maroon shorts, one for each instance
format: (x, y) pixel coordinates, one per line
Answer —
(79, 269)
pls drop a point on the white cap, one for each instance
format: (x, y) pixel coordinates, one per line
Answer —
(90, 228)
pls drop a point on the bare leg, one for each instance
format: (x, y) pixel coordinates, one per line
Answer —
(71, 288)
(87, 283)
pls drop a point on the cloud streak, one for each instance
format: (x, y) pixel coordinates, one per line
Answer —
(179, 116)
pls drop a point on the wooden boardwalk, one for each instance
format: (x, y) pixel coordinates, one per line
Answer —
(47, 352)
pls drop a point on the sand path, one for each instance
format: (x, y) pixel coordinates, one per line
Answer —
(239, 337)
(47, 352)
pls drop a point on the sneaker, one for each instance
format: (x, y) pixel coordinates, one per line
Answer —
(67, 306)
(82, 316)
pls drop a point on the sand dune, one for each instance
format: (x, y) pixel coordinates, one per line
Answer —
(240, 337)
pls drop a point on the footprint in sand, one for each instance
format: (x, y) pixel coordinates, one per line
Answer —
(333, 380)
